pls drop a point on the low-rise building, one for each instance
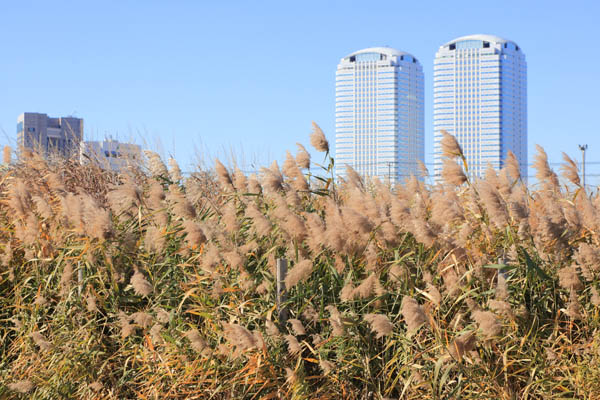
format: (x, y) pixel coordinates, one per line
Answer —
(110, 154)
(49, 136)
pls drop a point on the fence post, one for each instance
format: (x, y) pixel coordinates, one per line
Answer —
(501, 271)
(282, 265)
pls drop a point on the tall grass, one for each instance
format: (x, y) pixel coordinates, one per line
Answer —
(151, 285)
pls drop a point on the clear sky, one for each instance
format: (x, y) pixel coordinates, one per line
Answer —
(189, 77)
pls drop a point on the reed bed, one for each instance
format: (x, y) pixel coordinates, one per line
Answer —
(153, 285)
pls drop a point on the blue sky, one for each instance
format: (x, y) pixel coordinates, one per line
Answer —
(212, 78)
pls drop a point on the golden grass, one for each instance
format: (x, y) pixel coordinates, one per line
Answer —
(151, 285)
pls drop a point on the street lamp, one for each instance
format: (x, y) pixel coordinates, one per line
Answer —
(583, 148)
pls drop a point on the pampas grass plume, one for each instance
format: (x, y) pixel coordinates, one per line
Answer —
(24, 386)
(570, 170)
(450, 146)
(41, 341)
(297, 327)
(197, 342)
(318, 140)
(302, 157)
(140, 285)
(488, 323)
(294, 347)
(299, 273)
(413, 314)
(380, 324)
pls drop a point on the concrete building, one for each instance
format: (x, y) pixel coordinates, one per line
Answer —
(110, 154)
(379, 118)
(49, 136)
(480, 96)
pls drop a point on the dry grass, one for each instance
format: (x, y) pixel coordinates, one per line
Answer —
(152, 285)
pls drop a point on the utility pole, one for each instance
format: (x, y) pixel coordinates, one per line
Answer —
(583, 148)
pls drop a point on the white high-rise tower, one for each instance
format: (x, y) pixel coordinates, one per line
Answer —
(379, 114)
(480, 96)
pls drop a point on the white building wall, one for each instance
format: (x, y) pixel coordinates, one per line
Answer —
(379, 114)
(480, 96)
(111, 154)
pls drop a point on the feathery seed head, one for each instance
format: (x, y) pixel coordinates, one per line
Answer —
(450, 146)
(318, 140)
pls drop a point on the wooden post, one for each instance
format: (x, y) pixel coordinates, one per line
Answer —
(282, 265)
(501, 271)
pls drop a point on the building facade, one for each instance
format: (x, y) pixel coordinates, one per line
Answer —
(480, 96)
(49, 136)
(379, 117)
(110, 154)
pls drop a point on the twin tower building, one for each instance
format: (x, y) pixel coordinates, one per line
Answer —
(479, 96)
